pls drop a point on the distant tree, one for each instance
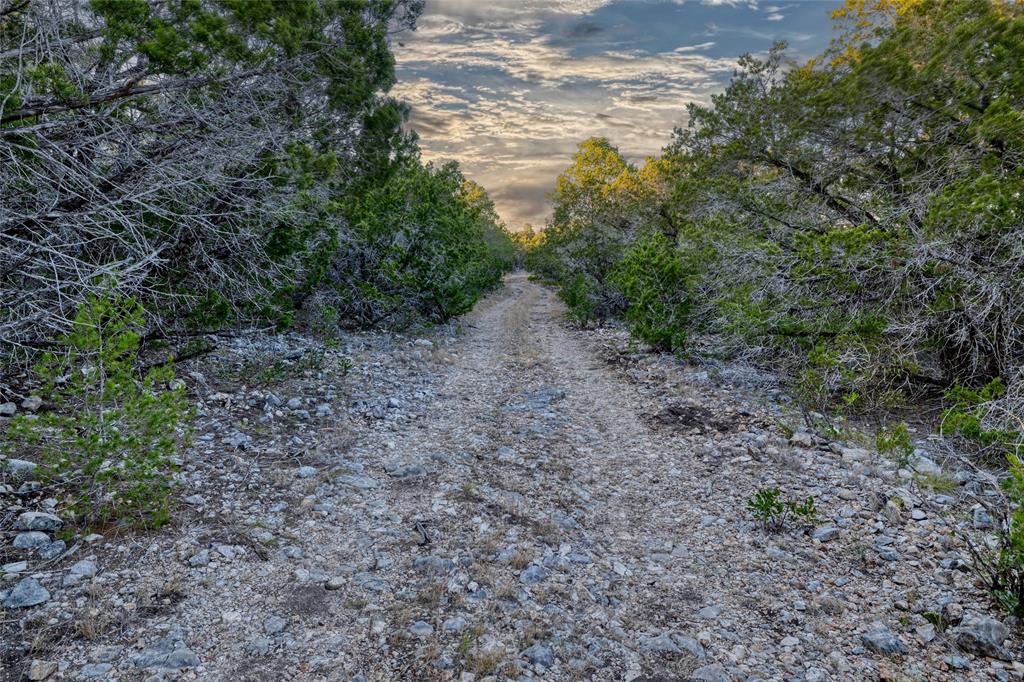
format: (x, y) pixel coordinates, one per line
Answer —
(602, 204)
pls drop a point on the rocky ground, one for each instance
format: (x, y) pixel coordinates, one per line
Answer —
(511, 499)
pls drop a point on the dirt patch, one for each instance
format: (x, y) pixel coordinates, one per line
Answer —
(309, 602)
(689, 418)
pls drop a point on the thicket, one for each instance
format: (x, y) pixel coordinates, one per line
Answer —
(216, 161)
(190, 165)
(855, 222)
(422, 244)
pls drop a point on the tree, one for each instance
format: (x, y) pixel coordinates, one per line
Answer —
(426, 244)
(191, 150)
(602, 205)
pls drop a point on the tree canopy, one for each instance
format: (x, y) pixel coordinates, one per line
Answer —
(854, 220)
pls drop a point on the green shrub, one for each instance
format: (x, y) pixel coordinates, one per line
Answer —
(772, 511)
(1001, 567)
(654, 280)
(108, 435)
(965, 416)
(1010, 588)
(426, 244)
(895, 440)
(579, 298)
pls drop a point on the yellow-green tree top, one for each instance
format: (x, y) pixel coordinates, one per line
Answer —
(590, 183)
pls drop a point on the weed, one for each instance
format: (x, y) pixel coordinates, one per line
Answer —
(772, 511)
(487, 662)
(940, 483)
(938, 620)
(895, 440)
(432, 594)
(520, 560)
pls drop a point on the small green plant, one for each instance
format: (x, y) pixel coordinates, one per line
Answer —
(786, 429)
(110, 435)
(940, 483)
(895, 440)
(773, 511)
(325, 322)
(940, 622)
(1001, 568)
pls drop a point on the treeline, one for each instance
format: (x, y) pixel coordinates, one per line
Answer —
(170, 169)
(222, 163)
(856, 222)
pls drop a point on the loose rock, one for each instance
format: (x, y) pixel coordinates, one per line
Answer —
(169, 653)
(421, 629)
(41, 670)
(40, 521)
(28, 592)
(540, 655)
(982, 635)
(30, 540)
(881, 639)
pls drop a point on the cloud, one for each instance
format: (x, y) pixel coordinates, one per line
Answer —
(509, 12)
(695, 48)
(509, 89)
(752, 4)
(586, 29)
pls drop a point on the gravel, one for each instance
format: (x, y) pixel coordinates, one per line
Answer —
(518, 497)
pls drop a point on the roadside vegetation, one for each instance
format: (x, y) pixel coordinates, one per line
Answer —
(171, 170)
(853, 222)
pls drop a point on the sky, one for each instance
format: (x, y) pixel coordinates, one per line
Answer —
(508, 88)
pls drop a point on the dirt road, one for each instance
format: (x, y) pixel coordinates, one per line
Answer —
(531, 502)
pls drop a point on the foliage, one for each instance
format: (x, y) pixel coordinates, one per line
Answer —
(967, 415)
(773, 511)
(109, 435)
(895, 440)
(653, 279)
(852, 222)
(199, 148)
(425, 243)
(601, 204)
(1000, 564)
(1009, 588)
(579, 298)
(233, 162)
(527, 242)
